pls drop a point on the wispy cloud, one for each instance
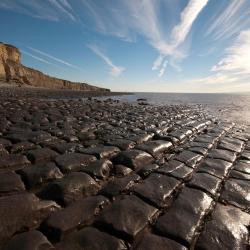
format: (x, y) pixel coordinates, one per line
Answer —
(229, 20)
(55, 58)
(52, 10)
(234, 67)
(38, 58)
(114, 70)
(237, 59)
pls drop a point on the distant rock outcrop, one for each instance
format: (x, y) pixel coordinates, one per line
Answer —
(13, 72)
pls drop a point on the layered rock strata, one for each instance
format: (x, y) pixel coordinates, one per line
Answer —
(14, 73)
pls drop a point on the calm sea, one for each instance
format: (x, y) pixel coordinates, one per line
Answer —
(230, 107)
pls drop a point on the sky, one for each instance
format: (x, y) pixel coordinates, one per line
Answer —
(135, 45)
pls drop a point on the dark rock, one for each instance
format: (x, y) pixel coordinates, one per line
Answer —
(101, 152)
(22, 211)
(147, 170)
(133, 158)
(74, 161)
(99, 168)
(185, 216)
(206, 182)
(231, 144)
(157, 189)
(63, 148)
(189, 158)
(123, 144)
(119, 185)
(152, 241)
(72, 187)
(90, 238)
(242, 166)
(10, 183)
(155, 148)
(222, 155)
(22, 147)
(240, 175)
(39, 174)
(216, 167)
(121, 170)
(236, 192)
(80, 213)
(13, 162)
(228, 229)
(127, 216)
(41, 155)
(29, 241)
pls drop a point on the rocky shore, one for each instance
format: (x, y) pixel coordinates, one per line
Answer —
(94, 174)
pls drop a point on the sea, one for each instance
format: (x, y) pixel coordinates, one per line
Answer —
(229, 107)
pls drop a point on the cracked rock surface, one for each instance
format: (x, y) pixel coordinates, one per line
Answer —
(103, 174)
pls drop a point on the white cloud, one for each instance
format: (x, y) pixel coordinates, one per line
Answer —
(229, 20)
(237, 58)
(52, 10)
(114, 70)
(55, 58)
(163, 68)
(234, 67)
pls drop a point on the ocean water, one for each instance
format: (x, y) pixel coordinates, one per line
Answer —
(230, 107)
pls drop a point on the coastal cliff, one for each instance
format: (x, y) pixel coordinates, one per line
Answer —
(13, 72)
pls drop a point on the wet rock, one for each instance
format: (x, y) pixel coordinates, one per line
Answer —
(189, 158)
(228, 229)
(236, 192)
(199, 150)
(119, 185)
(222, 155)
(99, 168)
(206, 139)
(101, 152)
(10, 183)
(157, 189)
(121, 170)
(41, 155)
(22, 147)
(155, 148)
(246, 155)
(170, 166)
(231, 144)
(192, 205)
(206, 145)
(39, 174)
(31, 211)
(139, 139)
(183, 173)
(147, 170)
(64, 148)
(13, 162)
(152, 241)
(90, 238)
(240, 175)
(29, 241)
(73, 162)
(80, 213)
(216, 167)
(71, 188)
(206, 182)
(123, 144)
(133, 158)
(122, 217)
(242, 166)
(3, 151)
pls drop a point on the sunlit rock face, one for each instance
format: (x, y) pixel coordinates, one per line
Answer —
(13, 72)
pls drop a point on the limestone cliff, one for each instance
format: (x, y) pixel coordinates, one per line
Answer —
(12, 71)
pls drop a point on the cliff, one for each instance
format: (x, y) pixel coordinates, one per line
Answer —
(12, 71)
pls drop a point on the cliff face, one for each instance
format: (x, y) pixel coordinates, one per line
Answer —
(12, 71)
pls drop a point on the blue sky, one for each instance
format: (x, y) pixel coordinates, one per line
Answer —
(135, 45)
